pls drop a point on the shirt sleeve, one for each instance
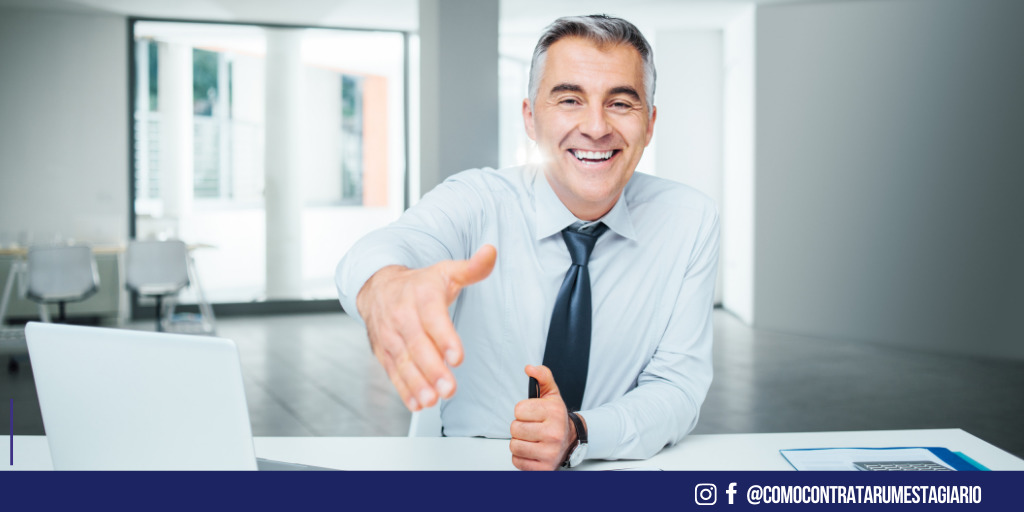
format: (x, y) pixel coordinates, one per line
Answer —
(664, 405)
(437, 228)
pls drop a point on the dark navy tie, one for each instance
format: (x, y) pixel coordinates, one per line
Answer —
(567, 353)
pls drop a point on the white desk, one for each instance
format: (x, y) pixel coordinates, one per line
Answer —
(698, 452)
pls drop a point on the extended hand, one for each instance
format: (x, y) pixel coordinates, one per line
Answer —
(541, 432)
(406, 315)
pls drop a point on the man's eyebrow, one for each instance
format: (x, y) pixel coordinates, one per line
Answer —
(625, 89)
(566, 87)
(622, 89)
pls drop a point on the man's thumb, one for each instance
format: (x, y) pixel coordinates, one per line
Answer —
(545, 379)
(466, 272)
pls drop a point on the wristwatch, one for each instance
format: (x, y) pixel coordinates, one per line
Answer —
(578, 452)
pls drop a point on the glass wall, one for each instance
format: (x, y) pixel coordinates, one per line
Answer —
(210, 111)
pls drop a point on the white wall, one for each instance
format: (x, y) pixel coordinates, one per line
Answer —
(63, 125)
(737, 209)
(889, 173)
(689, 102)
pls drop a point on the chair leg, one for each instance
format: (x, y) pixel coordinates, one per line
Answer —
(159, 312)
(44, 313)
(62, 318)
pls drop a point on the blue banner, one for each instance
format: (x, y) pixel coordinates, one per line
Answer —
(534, 492)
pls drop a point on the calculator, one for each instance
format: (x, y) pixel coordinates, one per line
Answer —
(903, 465)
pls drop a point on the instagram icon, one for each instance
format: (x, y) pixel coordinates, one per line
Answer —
(705, 494)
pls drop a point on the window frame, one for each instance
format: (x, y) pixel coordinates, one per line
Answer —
(270, 306)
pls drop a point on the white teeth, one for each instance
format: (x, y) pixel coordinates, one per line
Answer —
(593, 155)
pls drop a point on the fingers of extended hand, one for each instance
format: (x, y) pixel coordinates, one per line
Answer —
(421, 393)
(415, 329)
(439, 328)
(438, 379)
(413, 386)
(388, 362)
(390, 331)
(400, 333)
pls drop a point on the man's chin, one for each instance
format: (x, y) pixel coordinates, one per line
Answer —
(601, 199)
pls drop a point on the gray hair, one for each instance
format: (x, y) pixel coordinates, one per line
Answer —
(603, 30)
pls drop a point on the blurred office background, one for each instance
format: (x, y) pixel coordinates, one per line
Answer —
(865, 156)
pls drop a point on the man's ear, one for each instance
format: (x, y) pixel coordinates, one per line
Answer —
(650, 125)
(528, 120)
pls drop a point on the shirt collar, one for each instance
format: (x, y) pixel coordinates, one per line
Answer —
(553, 216)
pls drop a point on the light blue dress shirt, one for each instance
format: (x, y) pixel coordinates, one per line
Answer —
(652, 279)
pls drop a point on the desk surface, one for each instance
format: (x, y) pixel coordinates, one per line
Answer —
(697, 452)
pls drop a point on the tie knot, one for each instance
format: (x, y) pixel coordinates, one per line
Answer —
(580, 242)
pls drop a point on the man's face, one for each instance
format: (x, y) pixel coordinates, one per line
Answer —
(591, 122)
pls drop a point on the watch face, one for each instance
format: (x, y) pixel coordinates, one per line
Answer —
(578, 455)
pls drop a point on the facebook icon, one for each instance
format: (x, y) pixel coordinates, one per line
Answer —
(731, 491)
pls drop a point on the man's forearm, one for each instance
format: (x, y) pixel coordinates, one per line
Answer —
(427, 233)
(387, 247)
(641, 423)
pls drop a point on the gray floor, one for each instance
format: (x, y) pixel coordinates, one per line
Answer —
(314, 375)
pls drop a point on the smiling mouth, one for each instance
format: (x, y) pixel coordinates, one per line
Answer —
(593, 156)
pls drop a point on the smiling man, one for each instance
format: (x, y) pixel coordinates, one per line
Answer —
(571, 301)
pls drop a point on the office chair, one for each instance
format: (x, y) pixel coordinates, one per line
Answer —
(157, 269)
(426, 422)
(60, 274)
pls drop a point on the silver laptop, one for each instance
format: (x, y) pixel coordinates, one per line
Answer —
(116, 399)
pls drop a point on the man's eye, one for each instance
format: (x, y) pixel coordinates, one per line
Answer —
(619, 105)
(569, 101)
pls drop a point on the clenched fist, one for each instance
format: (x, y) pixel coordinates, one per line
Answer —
(541, 432)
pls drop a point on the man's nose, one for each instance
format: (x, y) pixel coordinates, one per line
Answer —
(595, 122)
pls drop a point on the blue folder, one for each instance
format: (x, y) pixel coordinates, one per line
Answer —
(955, 460)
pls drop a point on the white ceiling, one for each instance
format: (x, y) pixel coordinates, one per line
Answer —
(390, 14)
(521, 21)
(517, 16)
